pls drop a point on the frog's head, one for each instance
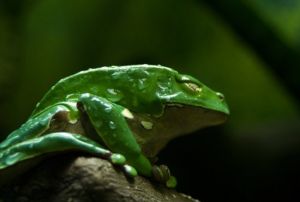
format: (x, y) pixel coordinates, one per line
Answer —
(191, 102)
(187, 90)
(188, 105)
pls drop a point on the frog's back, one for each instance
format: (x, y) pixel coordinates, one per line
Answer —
(118, 84)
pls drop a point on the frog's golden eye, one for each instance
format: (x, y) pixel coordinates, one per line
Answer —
(193, 87)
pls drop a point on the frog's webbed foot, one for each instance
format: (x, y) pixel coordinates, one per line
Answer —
(163, 175)
(60, 141)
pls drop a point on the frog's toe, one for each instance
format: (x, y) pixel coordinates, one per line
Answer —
(130, 171)
(163, 175)
(117, 159)
(172, 182)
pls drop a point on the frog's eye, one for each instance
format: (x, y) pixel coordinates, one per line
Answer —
(193, 87)
(189, 83)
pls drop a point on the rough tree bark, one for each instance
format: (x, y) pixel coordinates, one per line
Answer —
(86, 179)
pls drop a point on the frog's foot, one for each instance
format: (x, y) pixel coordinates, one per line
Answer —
(163, 175)
(120, 160)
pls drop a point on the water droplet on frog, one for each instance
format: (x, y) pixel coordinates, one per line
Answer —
(147, 72)
(69, 96)
(141, 84)
(147, 125)
(11, 159)
(112, 91)
(30, 146)
(94, 99)
(85, 95)
(112, 125)
(114, 95)
(116, 75)
(108, 109)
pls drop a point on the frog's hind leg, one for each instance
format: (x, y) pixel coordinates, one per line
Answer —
(39, 124)
(60, 141)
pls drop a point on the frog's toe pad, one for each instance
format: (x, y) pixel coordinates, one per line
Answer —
(130, 171)
(172, 182)
(120, 160)
(117, 159)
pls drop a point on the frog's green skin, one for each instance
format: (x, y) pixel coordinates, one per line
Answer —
(125, 114)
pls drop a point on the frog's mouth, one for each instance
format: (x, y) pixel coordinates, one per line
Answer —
(176, 120)
(183, 119)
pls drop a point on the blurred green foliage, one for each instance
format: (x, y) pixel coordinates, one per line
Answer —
(43, 41)
(283, 16)
(56, 38)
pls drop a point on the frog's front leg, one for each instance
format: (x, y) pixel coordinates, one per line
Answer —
(109, 122)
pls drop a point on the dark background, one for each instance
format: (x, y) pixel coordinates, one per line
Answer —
(249, 50)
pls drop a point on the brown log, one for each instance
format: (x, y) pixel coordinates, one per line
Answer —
(70, 178)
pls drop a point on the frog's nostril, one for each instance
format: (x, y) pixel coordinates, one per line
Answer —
(220, 95)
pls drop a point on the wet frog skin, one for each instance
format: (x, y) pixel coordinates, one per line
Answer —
(125, 114)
